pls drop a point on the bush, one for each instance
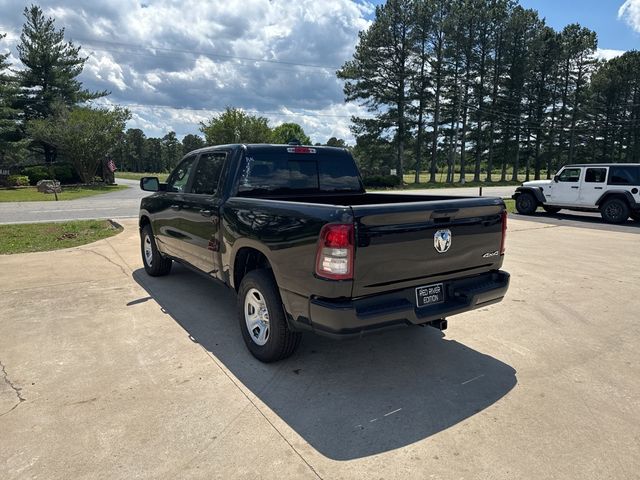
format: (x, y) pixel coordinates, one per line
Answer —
(63, 172)
(381, 181)
(66, 173)
(17, 181)
(36, 173)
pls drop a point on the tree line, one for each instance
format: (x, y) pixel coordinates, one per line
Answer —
(485, 87)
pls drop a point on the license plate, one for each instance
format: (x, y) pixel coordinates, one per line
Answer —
(429, 295)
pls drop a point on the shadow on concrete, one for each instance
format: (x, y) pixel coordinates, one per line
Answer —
(347, 399)
(592, 220)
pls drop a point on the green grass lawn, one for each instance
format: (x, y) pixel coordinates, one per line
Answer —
(138, 175)
(68, 193)
(41, 237)
(511, 205)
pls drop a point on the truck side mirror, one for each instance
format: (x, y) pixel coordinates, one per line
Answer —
(555, 178)
(150, 184)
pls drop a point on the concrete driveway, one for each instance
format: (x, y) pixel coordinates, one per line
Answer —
(108, 373)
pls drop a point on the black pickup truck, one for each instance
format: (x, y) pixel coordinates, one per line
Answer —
(293, 231)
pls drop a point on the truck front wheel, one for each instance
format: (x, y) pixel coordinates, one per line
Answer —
(526, 204)
(154, 263)
(262, 318)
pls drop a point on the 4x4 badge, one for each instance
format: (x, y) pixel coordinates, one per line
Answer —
(442, 240)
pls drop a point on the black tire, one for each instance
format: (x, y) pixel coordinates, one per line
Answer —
(614, 210)
(156, 265)
(526, 203)
(279, 342)
(550, 209)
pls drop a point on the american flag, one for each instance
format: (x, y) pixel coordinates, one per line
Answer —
(111, 165)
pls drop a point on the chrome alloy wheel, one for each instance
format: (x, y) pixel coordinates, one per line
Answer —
(148, 251)
(256, 316)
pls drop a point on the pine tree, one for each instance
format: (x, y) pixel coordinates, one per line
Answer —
(48, 80)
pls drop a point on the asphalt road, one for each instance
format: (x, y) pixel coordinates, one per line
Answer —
(119, 204)
(108, 373)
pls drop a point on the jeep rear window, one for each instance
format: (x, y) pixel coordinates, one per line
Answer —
(627, 175)
(297, 173)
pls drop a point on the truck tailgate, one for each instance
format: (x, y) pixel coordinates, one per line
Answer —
(395, 242)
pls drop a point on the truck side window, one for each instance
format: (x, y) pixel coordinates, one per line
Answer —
(627, 175)
(571, 175)
(180, 176)
(208, 173)
(595, 175)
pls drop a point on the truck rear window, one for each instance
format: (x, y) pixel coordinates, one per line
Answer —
(298, 173)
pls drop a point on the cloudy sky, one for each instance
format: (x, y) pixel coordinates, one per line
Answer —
(177, 63)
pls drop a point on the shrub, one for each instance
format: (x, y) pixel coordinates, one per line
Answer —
(17, 181)
(381, 181)
(36, 173)
(63, 172)
(66, 173)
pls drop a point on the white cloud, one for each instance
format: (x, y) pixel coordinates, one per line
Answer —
(608, 53)
(199, 57)
(630, 13)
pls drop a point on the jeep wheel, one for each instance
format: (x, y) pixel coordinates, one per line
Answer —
(526, 204)
(614, 210)
(262, 318)
(550, 209)
(154, 263)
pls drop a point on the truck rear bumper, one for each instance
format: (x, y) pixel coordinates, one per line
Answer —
(378, 312)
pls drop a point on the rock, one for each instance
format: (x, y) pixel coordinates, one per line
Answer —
(49, 186)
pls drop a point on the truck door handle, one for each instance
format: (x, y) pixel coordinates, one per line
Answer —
(598, 188)
(206, 213)
(175, 207)
(575, 187)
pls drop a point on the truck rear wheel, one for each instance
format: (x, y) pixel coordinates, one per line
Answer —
(614, 210)
(262, 318)
(154, 263)
(526, 204)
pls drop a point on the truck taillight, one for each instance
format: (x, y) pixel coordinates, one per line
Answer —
(504, 233)
(334, 259)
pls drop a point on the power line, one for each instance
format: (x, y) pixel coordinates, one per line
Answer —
(198, 52)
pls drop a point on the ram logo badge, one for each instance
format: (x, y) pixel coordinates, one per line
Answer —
(442, 240)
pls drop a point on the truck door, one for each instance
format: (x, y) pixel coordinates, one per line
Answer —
(168, 224)
(565, 189)
(201, 214)
(592, 186)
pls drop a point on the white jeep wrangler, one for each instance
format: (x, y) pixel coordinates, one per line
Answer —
(612, 188)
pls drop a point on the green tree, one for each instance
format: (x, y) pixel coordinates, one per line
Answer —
(287, 132)
(11, 147)
(236, 126)
(49, 77)
(86, 136)
(336, 142)
(191, 142)
(172, 151)
(379, 74)
(135, 149)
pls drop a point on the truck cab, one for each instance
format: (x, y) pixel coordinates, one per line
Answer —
(611, 189)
